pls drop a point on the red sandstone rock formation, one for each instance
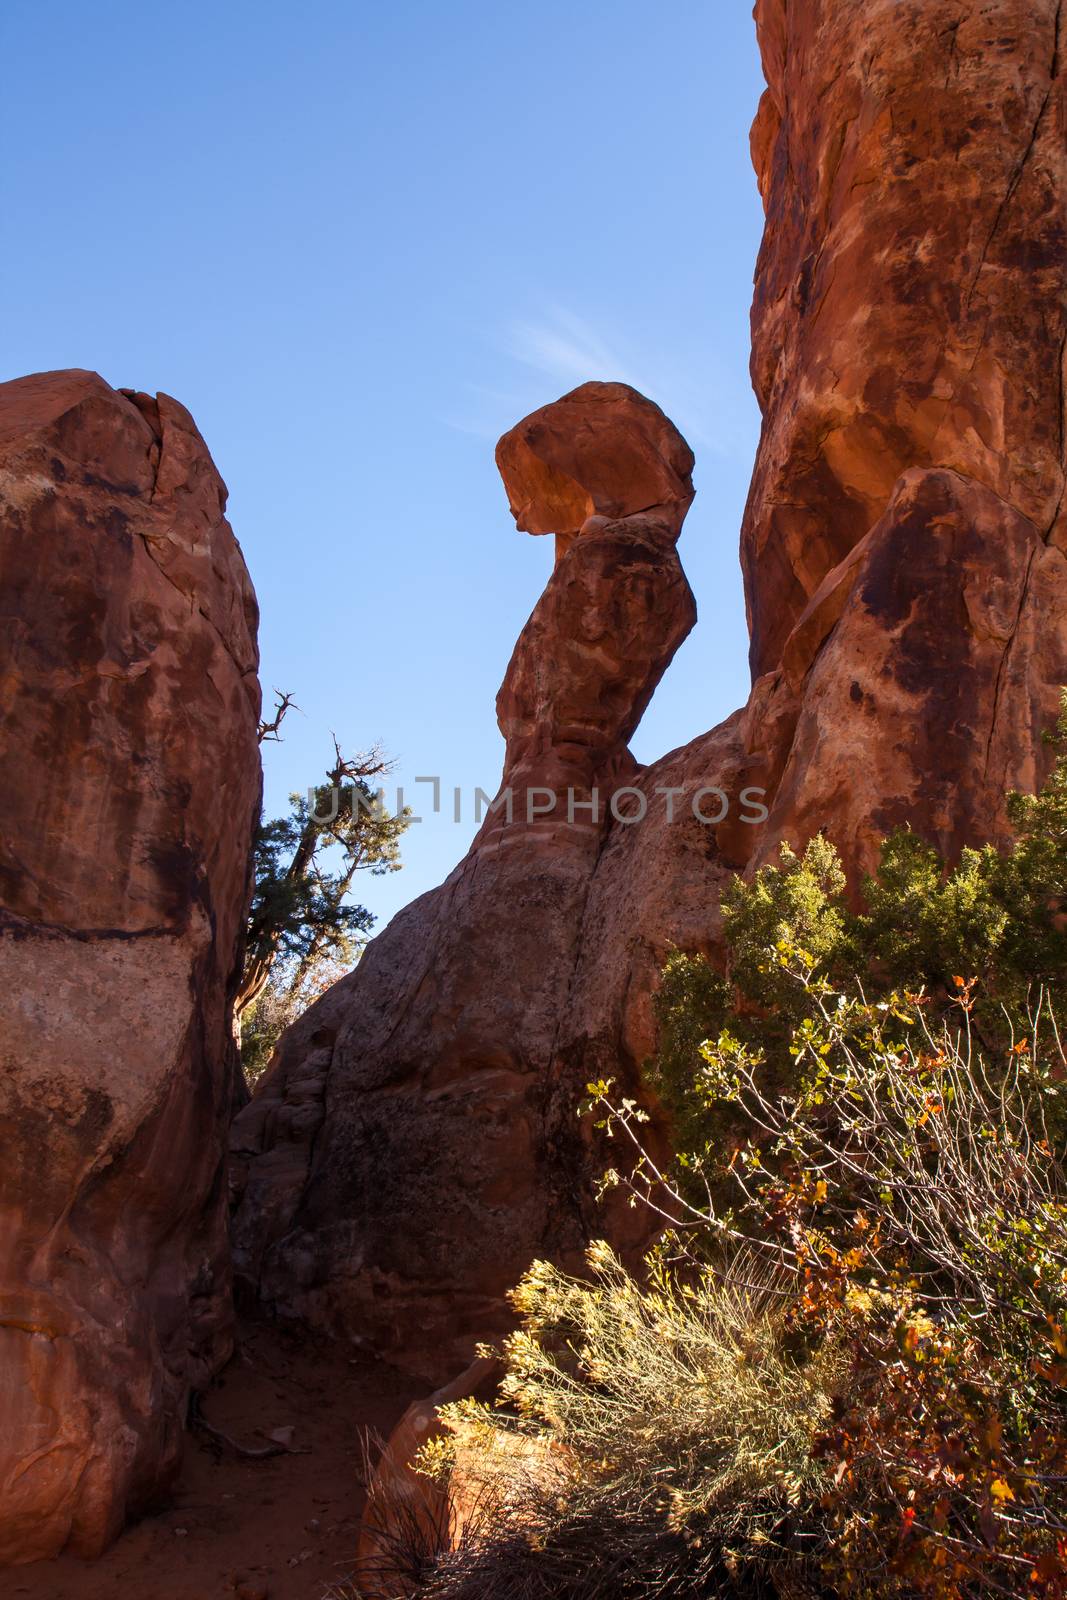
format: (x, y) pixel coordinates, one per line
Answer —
(129, 705)
(405, 1506)
(909, 306)
(416, 1129)
(615, 609)
(583, 456)
(415, 1143)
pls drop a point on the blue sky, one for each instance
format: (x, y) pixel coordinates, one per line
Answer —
(358, 242)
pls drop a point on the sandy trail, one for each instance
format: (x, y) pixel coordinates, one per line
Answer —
(286, 1525)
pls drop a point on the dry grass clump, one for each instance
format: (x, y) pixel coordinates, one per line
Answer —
(651, 1440)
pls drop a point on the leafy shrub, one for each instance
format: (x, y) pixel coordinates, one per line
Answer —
(997, 917)
(908, 1192)
(853, 1382)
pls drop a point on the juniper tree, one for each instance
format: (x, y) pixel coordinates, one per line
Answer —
(305, 864)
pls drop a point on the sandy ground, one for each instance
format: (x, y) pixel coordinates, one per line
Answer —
(285, 1527)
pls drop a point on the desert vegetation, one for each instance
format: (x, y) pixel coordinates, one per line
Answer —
(304, 930)
(843, 1368)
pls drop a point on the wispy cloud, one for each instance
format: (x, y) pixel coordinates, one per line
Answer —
(564, 345)
(694, 386)
(484, 411)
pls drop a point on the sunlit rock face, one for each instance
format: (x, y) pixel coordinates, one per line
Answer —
(415, 1142)
(601, 451)
(909, 306)
(128, 713)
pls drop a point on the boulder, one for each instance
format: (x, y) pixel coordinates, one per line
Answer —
(128, 714)
(409, 1517)
(602, 450)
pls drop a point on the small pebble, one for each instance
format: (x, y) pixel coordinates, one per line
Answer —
(252, 1589)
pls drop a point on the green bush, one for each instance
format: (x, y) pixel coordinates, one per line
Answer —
(997, 918)
(907, 1189)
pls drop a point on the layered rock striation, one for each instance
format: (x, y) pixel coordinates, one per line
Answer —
(128, 714)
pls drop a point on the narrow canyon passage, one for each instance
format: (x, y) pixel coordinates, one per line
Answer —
(284, 1527)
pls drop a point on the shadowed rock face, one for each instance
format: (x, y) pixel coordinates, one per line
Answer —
(128, 711)
(415, 1143)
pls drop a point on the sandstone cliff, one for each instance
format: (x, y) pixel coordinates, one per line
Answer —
(414, 1144)
(129, 704)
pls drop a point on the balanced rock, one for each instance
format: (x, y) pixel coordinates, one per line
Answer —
(413, 1142)
(602, 450)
